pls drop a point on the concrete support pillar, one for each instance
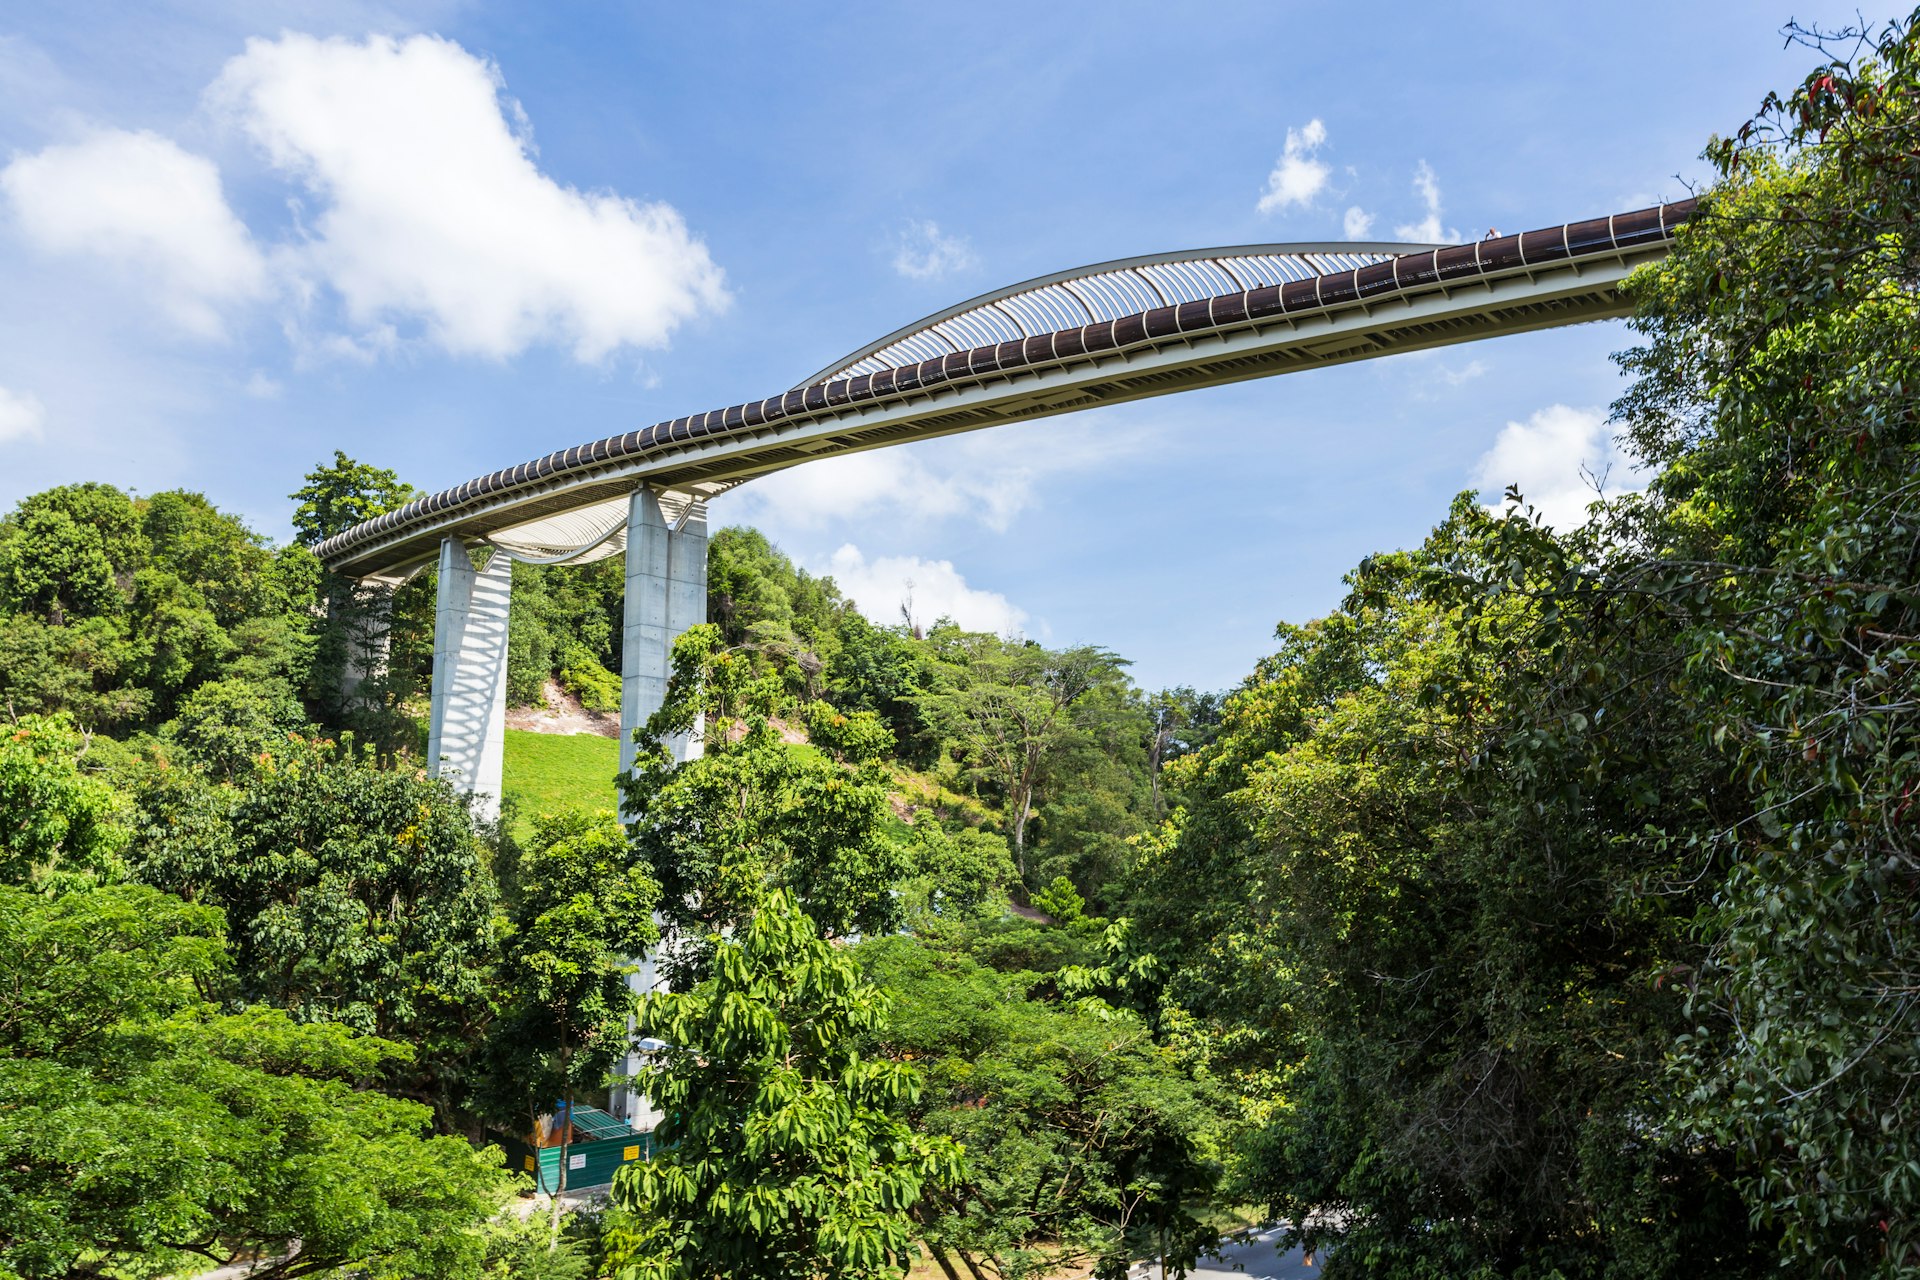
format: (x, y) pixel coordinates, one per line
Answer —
(466, 737)
(666, 594)
(687, 601)
(367, 623)
(644, 644)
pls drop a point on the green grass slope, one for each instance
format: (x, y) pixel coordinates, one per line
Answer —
(545, 772)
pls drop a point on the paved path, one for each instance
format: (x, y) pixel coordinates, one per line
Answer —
(1258, 1257)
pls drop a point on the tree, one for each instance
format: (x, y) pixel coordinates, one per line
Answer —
(883, 670)
(1425, 827)
(579, 909)
(1182, 722)
(336, 498)
(55, 820)
(565, 624)
(355, 894)
(143, 1132)
(114, 609)
(1775, 387)
(782, 1152)
(1086, 1141)
(957, 873)
(372, 637)
(1009, 707)
(753, 811)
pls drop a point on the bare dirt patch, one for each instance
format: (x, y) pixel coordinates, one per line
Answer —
(562, 713)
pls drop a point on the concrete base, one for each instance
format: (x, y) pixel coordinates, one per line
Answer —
(466, 737)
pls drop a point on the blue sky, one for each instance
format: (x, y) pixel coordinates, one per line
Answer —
(448, 237)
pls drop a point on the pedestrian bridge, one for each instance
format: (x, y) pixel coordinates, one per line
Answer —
(1102, 334)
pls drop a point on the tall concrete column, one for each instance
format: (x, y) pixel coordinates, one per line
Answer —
(466, 736)
(687, 602)
(645, 646)
(666, 595)
(367, 626)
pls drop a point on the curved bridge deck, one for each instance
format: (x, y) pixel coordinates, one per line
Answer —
(573, 505)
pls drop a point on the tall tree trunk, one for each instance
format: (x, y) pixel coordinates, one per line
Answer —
(1020, 834)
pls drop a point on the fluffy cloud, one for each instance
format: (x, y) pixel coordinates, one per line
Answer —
(1428, 230)
(989, 478)
(1562, 460)
(21, 416)
(924, 252)
(1297, 176)
(432, 211)
(1357, 224)
(139, 201)
(894, 482)
(926, 590)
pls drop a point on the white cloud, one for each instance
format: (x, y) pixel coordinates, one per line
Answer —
(21, 416)
(432, 210)
(924, 252)
(1428, 230)
(1465, 373)
(989, 477)
(927, 590)
(1297, 176)
(1562, 460)
(1357, 224)
(894, 482)
(262, 387)
(140, 201)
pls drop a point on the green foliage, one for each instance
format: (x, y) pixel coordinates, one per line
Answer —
(752, 812)
(143, 1132)
(1086, 1141)
(114, 609)
(337, 497)
(883, 670)
(566, 621)
(528, 1248)
(1011, 709)
(1061, 901)
(55, 820)
(581, 675)
(1427, 821)
(1776, 385)
(957, 873)
(854, 737)
(225, 724)
(356, 894)
(784, 1156)
(579, 909)
(764, 604)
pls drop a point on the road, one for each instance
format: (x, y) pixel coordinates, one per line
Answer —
(1258, 1258)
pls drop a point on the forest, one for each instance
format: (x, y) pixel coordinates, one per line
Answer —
(1551, 908)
